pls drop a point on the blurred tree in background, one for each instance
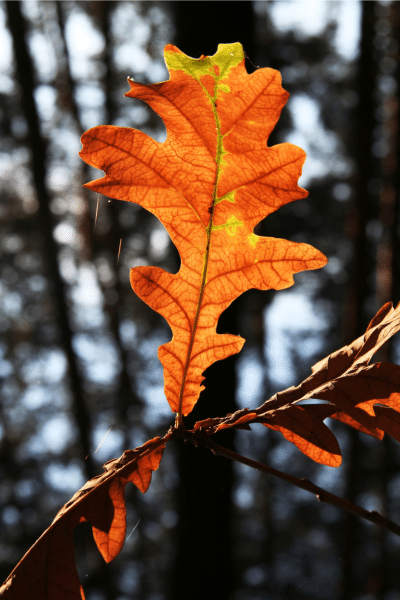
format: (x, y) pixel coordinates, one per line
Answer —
(79, 374)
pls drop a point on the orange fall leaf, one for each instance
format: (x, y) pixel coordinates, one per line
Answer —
(209, 183)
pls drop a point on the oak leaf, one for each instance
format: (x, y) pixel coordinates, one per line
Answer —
(209, 183)
(47, 571)
(362, 395)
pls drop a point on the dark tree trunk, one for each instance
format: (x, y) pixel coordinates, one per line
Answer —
(204, 540)
(365, 206)
(25, 75)
(387, 277)
(356, 578)
(127, 396)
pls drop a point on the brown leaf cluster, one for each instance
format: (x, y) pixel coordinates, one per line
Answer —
(363, 395)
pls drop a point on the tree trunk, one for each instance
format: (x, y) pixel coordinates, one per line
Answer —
(37, 147)
(356, 578)
(203, 564)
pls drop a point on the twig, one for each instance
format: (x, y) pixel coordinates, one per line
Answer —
(305, 484)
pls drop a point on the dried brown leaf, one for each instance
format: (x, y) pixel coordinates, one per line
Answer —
(365, 397)
(47, 571)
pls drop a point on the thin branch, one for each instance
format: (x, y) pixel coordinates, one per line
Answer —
(305, 484)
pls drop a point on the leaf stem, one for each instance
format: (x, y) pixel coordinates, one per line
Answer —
(305, 484)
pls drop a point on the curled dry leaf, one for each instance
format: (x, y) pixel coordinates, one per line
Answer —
(209, 183)
(47, 571)
(362, 395)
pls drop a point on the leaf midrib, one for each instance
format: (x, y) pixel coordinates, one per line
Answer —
(207, 251)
